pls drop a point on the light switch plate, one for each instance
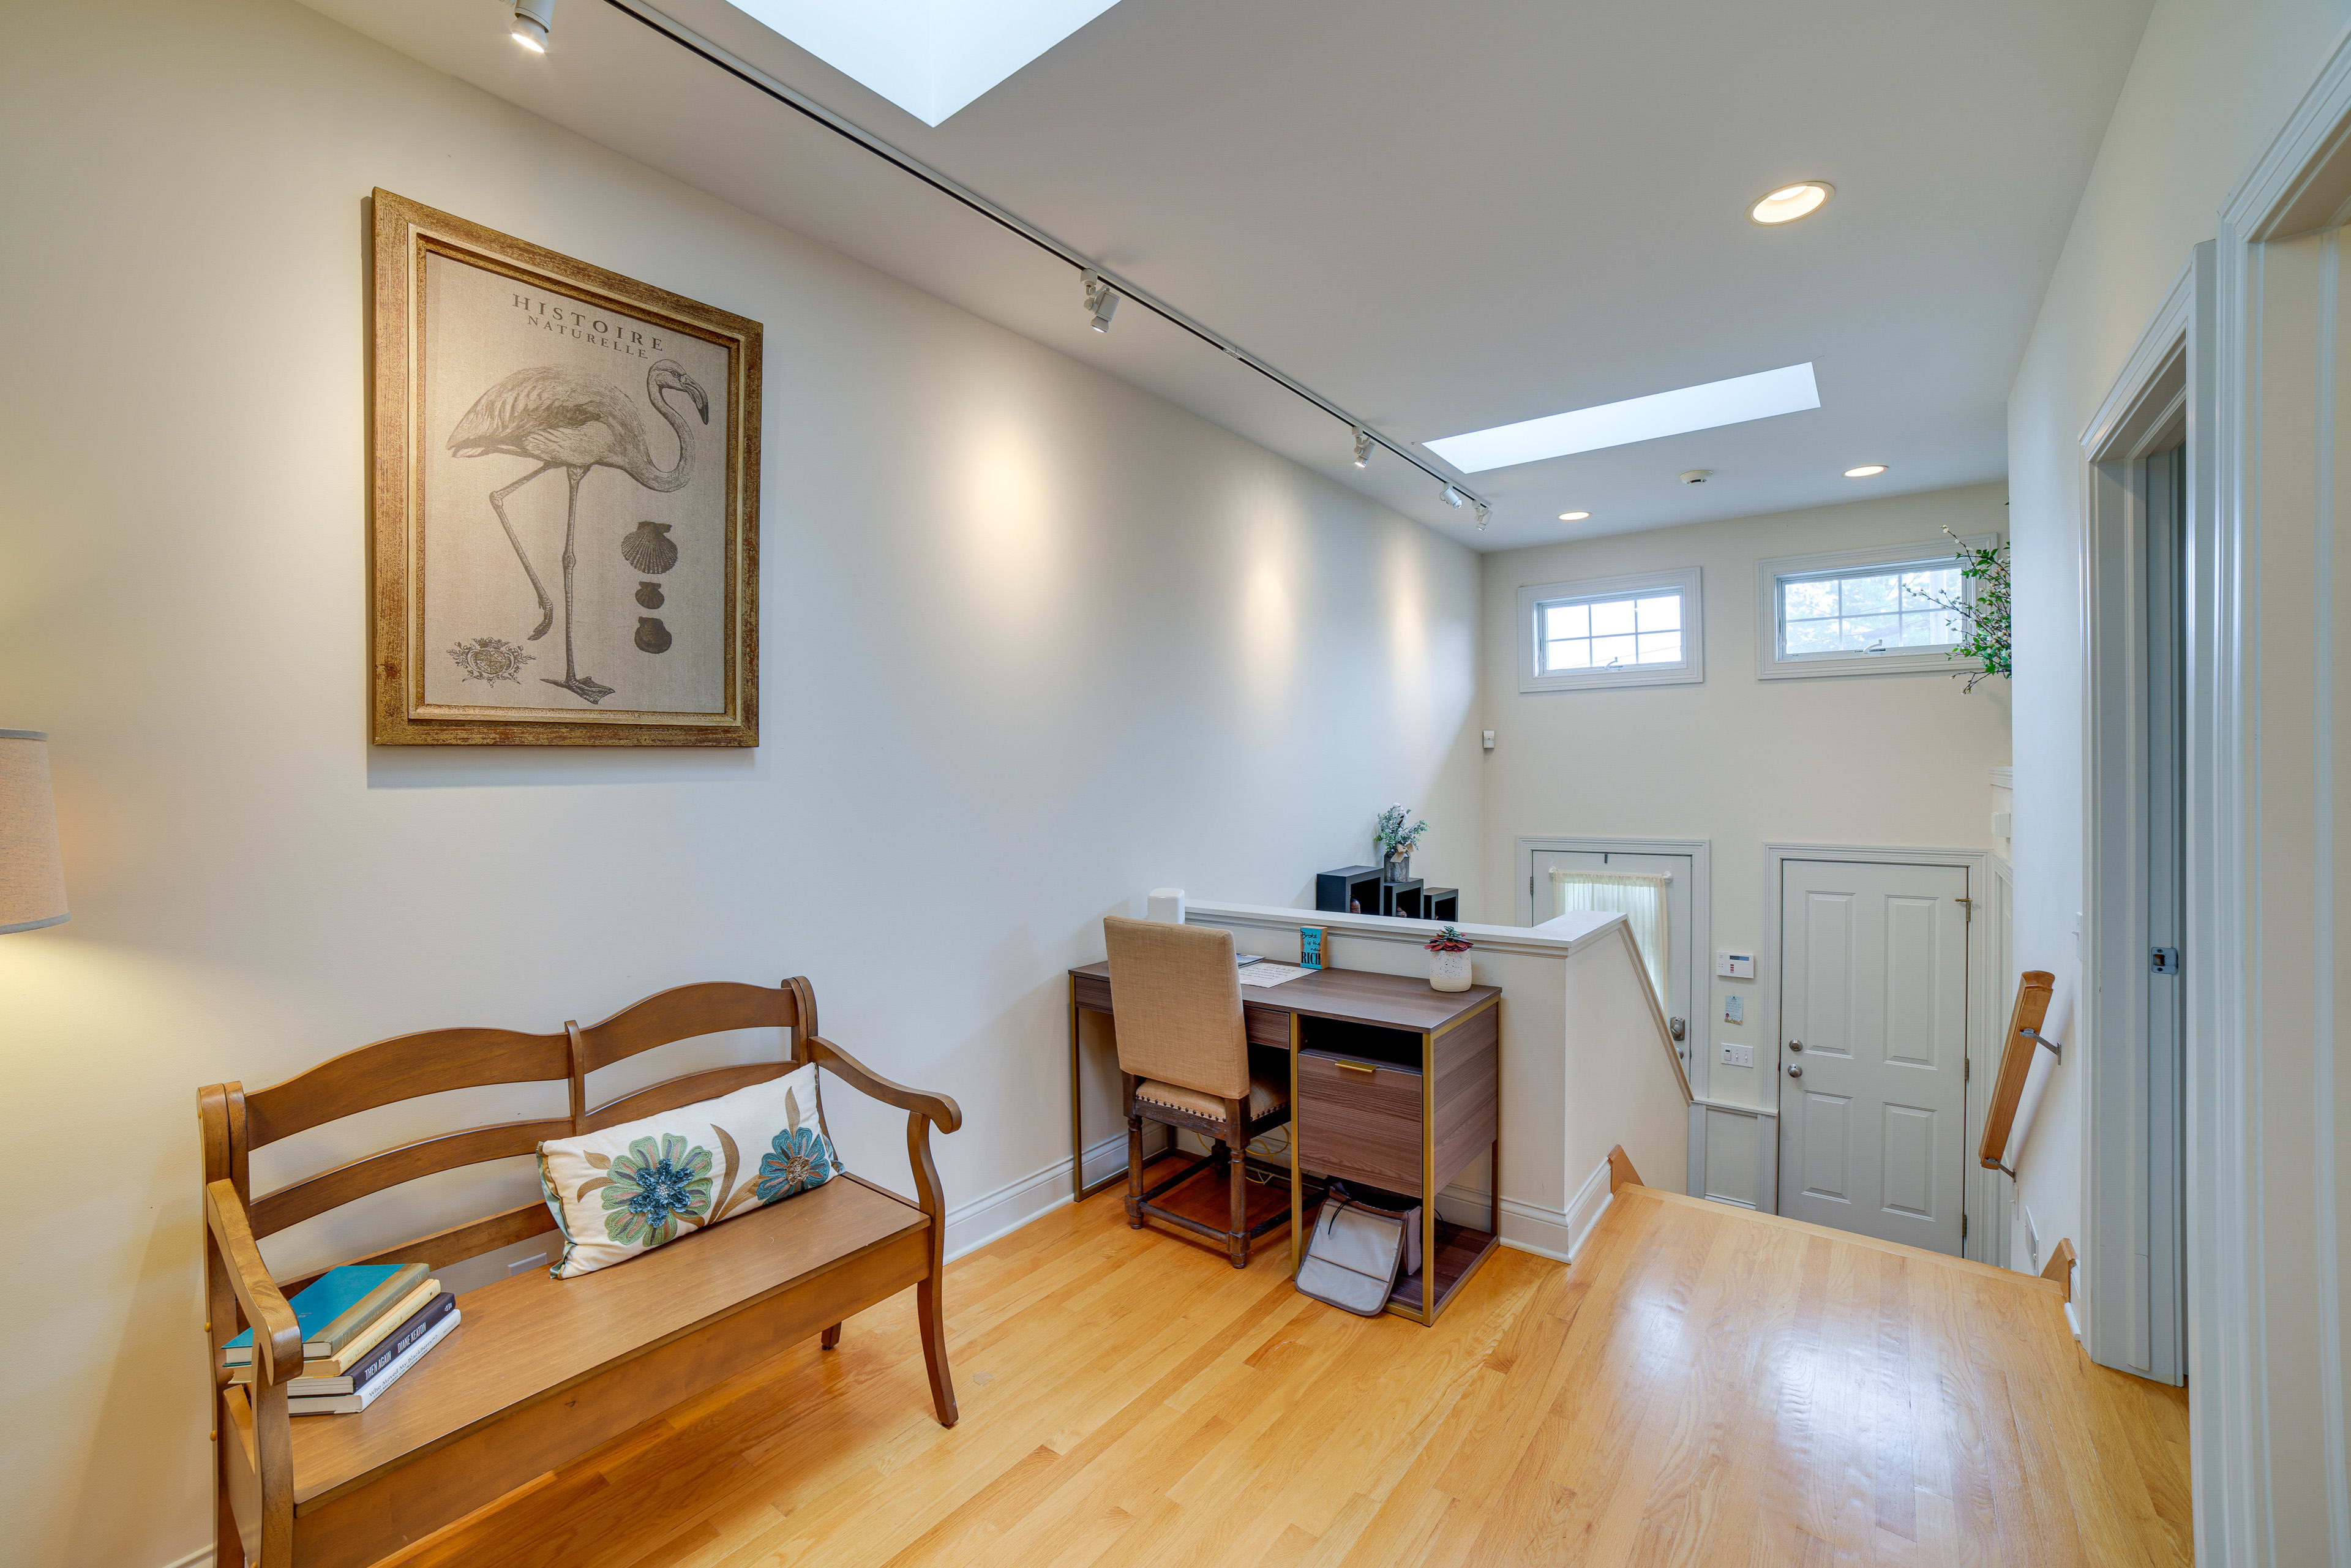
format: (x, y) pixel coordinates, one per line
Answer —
(1737, 1055)
(1732, 965)
(1734, 1010)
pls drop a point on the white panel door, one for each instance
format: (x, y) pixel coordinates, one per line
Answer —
(1873, 1035)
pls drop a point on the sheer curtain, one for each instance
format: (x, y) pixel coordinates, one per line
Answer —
(1641, 900)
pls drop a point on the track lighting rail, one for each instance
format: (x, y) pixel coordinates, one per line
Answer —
(1096, 278)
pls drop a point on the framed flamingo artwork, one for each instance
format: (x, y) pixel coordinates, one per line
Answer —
(566, 499)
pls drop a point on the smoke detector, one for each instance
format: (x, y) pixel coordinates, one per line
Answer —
(1697, 476)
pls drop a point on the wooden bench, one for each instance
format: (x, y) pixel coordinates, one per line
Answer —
(539, 1371)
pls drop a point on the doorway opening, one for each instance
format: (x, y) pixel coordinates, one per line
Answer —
(1662, 887)
(2136, 952)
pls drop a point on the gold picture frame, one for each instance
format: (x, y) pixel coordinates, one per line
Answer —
(512, 440)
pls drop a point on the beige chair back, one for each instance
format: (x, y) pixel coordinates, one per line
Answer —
(1176, 998)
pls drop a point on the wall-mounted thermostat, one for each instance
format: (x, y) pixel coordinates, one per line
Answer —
(1734, 1010)
(1734, 966)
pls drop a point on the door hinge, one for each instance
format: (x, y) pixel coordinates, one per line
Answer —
(1963, 1227)
(2164, 960)
(1967, 1072)
(1531, 886)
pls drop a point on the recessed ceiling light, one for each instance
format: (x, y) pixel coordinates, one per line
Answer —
(1866, 471)
(1573, 516)
(1788, 203)
(1789, 390)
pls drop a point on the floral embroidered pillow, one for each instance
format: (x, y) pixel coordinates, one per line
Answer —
(630, 1188)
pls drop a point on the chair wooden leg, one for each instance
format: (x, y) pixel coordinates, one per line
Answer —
(1133, 1152)
(930, 1311)
(1236, 1241)
(832, 1340)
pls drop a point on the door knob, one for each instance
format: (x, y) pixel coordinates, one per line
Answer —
(1679, 1026)
(1795, 1072)
(1795, 1045)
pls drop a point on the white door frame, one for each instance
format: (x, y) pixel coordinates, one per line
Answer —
(2267, 1434)
(1703, 1109)
(1982, 994)
(1701, 859)
(2126, 1088)
(1994, 1196)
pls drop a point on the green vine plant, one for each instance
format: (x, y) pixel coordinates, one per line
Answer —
(1986, 616)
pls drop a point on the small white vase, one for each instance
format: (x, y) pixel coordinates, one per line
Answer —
(1448, 971)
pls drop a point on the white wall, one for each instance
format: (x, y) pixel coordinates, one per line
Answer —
(2211, 83)
(1033, 642)
(1738, 760)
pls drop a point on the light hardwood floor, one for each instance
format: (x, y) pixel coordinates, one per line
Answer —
(1704, 1385)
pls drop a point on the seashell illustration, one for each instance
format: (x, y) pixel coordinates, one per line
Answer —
(651, 635)
(650, 549)
(649, 594)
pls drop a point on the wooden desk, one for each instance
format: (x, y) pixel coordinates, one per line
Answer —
(1391, 1084)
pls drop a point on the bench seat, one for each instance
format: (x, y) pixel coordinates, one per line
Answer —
(586, 1357)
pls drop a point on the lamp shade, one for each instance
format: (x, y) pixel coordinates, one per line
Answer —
(32, 876)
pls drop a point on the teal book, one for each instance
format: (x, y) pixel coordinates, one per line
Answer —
(337, 1306)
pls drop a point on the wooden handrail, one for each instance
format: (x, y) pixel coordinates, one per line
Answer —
(2060, 1272)
(2015, 1065)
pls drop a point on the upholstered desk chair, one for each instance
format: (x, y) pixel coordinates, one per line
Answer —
(1184, 1061)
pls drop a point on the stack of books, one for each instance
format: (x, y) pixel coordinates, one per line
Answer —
(362, 1326)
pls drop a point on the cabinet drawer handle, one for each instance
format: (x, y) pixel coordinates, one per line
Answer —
(1366, 1069)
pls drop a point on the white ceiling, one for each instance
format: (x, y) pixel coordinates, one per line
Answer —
(1444, 218)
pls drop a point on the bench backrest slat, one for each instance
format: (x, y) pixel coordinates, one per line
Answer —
(686, 1091)
(333, 1189)
(690, 1011)
(402, 1069)
(454, 1245)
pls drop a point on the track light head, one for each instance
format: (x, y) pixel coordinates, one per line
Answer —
(1102, 299)
(533, 21)
(1484, 512)
(1451, 497)
(1363, 449)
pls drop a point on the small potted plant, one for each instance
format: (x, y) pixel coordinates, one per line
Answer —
(1449, 961)
(1395, 841)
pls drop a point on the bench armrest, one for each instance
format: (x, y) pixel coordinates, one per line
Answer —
(944, 1112)
(276, 1333)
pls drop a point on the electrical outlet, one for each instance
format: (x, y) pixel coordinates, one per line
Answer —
(1737, 1055)
(1734, 1010)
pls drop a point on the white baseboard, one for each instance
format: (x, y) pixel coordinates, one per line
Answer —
(1556, 1234)
(201, 1557)
(1590, 1202)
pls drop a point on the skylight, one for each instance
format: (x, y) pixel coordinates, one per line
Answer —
(1790, 390)
(930, 58)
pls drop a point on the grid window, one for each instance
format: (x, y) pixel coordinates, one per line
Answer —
(1871, 610)
(1611, 634)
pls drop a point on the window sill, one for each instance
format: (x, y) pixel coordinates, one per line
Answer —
(1594, 681)
(1866, 664)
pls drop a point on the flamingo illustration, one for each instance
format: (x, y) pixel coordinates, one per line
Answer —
(564, 419)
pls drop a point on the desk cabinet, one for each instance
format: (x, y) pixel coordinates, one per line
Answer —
(1407, 1112)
